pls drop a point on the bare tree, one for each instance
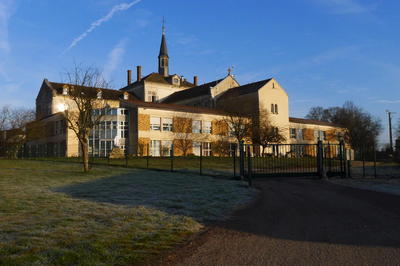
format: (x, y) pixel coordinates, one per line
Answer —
(182, 127)
(265, 132)
(238, 122)
(83, 98)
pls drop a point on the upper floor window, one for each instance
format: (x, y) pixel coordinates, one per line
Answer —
(196, 126)
(300, 134)
(152, 97)
(293, 134)
(272, 108)
(319, 135)
(207, 127)
(155, 123)
(99, 95)
(276, 109)
(167, 124)
(65, 91)
(123, 112)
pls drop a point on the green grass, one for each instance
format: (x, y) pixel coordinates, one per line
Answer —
(53, 214)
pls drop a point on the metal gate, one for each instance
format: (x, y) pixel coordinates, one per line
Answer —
(291, 160)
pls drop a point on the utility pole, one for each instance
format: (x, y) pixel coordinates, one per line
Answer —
(390, 130)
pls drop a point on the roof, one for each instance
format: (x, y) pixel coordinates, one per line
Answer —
(312, 122)
(193, 92)
(174, 107)
(244, 89)
(156, 78)
(163, 46)
(107, 94)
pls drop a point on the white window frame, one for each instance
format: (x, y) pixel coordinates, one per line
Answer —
(207, 127)
(155, 125)
(167, 124)
(193, 126)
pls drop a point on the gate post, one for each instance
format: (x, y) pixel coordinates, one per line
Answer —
(241, 159)
(320, 160)
(249, 170)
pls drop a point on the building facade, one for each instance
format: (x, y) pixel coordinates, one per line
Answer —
(162, 114)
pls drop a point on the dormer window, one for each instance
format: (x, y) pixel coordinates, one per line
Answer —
(65, 90)
(175, 81)
(126, 96)
(99, 95)
(152, 97)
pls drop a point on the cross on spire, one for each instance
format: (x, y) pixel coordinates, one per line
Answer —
(230, 70)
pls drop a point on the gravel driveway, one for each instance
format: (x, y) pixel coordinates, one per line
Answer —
(302, 222)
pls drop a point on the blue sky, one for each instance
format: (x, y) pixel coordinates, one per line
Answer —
(323, 52)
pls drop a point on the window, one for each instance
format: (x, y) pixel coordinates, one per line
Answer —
(300, 134)
(65, 91)
(319, 135)
(152, 96)
(196, 126)
(167, 124)
(231, 128)
(207, 127)
(123, 129)
(276, 109)
(155, 123)
(99, 95)
(272, 108)
(206, 149)
(123, 111)
(196, 148)
(166, 148)
(232, 149)
(155, 147)
(293, 134)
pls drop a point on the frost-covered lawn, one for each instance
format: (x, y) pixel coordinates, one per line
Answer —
(53, 214)
(391, 186)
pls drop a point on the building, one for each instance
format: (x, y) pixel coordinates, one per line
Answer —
(162, 113)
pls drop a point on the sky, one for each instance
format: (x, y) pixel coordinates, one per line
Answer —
(323, 52)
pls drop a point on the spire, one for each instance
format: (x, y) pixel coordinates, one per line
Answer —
(163, 58)
(163, 47)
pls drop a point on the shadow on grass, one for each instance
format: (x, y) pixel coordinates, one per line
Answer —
(200, 197)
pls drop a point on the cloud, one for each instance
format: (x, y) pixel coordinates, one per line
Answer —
(114, 58)
(344, 7)
(5, 13)
(97, 23)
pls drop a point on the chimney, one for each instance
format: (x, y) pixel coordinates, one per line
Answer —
(196, 80)
(139, 73)
(129, 77)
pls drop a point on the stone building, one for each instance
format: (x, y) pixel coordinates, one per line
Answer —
(162, 113)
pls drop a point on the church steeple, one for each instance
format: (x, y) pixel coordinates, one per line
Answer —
(163, 58)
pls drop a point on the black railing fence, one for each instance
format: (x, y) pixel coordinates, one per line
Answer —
(370, 163)
(248, 161)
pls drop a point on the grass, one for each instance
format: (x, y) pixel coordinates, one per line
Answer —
(53, 214)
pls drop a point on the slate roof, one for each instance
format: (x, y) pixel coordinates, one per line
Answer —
(107, 94)
(193, 92)
(312, 122)
(163, 46)
(174, 107)
(244, 89)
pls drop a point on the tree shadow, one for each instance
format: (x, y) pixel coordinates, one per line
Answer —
(319, 211)
(203, 198)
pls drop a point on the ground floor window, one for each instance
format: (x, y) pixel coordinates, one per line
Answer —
(166, 148)
(155, 148)
(206, 148)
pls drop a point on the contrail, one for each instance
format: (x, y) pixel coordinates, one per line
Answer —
(97, 23)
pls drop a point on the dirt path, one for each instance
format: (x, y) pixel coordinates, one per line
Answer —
(302, 222)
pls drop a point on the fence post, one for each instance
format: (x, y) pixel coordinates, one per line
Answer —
(148, 155)
(126, 159)
(349, 168)
(363, 160)
(201, 158)
(320, 160)
(375, 173)
(342, 168)
(241, 159)
(249, 165)
(234, 161)
(172, 157)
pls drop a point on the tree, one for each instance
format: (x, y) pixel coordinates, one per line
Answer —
(265, 132)
(362, 128)
(239, 122)
(85, 84)
(13, 122)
